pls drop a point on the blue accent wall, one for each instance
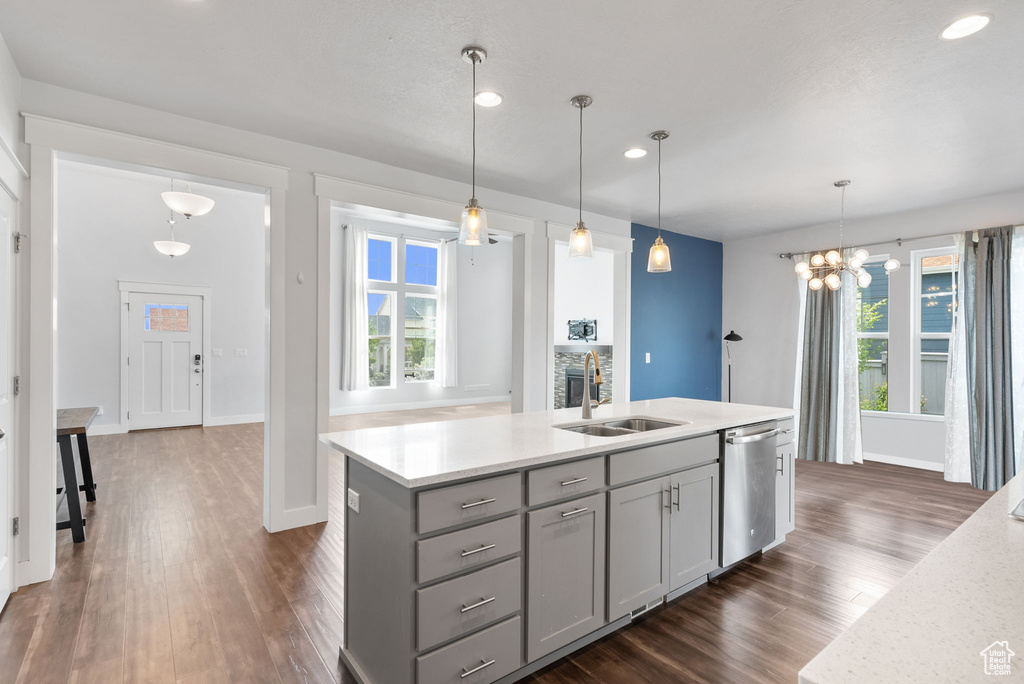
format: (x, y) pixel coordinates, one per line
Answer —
(677, 318)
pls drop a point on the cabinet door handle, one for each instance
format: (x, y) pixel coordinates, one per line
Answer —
(574, 481)
(678, 495)
(569, 514)
(781, 469)
(485, 547)
(481, 502)
(482, 665)
(478, 604)
(669, 504)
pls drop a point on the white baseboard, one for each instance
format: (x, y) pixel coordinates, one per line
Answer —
(214, 421)
(296, 517)
(918, 463)
(433, 403)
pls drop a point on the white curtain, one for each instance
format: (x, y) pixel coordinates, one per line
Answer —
(355, 331)
(1017, 340)
(446, 361)
(849, 441)
(958, 430)
(801, 288)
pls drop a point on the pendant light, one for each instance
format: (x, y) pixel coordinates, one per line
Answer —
(187, 203)
(659, 260)
(171, 247)
(473, 224)
(581, 243)
(826, 270)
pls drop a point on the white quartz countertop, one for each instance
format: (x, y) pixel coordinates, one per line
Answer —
(431, 453)
(966, 595)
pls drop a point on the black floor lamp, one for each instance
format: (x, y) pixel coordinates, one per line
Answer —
(731, 337)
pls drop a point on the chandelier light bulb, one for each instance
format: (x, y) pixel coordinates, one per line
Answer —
(815, 283)
(856, 263)
(817, 260)
(864, 279)
(802, 267)
(861, 254)
(832, 257)
(833, 281)
(891, 265)
(807, 275)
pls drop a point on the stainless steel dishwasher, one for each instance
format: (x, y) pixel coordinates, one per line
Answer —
(748, 491)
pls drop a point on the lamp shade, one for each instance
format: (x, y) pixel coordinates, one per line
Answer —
(171, 248)
(659, 260)
(188, 204)
(473, 225)
(733, 337)
(581, 243)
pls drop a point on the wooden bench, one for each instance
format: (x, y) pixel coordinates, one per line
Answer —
(75, 421)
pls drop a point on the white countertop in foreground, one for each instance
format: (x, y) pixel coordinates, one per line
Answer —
(431, 453)
(967, 594)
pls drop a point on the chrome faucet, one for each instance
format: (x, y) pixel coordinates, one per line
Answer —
(588, 403)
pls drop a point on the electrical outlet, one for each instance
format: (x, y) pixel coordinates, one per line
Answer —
(647, 357)
(239, 351)
(353, 500)
(217, 352)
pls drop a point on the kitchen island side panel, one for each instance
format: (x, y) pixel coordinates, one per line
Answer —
(380, 553)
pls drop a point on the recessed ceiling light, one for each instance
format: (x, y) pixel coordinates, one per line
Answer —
(635, 152)
(488, 98)
(966, 26)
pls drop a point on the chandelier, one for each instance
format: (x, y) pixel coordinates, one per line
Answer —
(826, 270)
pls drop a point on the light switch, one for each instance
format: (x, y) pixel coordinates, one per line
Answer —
(217, 352)
(647, 357)
(239, 351)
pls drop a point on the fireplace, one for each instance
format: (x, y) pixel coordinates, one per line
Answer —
(574, 387)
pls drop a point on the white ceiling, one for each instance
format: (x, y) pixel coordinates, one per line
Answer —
(768, 102)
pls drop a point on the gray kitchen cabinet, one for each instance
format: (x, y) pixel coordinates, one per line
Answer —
(638, 545)
(785, 489)
(566, 573)
(693, 524)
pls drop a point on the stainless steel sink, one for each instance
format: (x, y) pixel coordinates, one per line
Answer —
(599, 430)
(642, 424)
(626, 426)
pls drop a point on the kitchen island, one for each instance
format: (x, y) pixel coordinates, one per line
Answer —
(957, 616)
(480, 550)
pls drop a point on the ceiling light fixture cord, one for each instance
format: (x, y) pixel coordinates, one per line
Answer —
(581, 164)
(842, 215)
(659, 187)
(473, 101)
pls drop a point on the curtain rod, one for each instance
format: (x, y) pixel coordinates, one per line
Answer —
(899, 243)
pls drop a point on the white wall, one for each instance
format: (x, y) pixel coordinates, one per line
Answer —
(10, 101)
(484, 323)
(107, 221)
(299, 387)
(584, 288)
(761, 303)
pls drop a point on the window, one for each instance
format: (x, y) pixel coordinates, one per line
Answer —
(379, 308)
(420, 337)
(873, 337)
(935, 282)
(402, 275)
(167, 317)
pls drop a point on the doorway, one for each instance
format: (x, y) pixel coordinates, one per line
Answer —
(165, 341)
(6, 399)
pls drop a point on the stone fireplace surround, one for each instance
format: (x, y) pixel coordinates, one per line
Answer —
(572, 356)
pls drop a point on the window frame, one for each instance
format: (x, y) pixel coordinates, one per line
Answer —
(879, 259)
(916, 334)
(421, 242)
(393, 240)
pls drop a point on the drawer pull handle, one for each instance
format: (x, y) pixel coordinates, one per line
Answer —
(478, 604)
(485, 547)
(574, 481)
(481, 502)
(482, 665)
(569, 514)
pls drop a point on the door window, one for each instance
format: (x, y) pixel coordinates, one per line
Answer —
(166, 317)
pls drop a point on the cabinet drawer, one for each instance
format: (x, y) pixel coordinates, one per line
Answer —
(489, 655)
(641, 464)
(455, 551)
(564, 480)
(450, 506)
(459, 606)
(787, 432)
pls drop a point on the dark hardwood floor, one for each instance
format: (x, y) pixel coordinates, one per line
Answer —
(178, 581)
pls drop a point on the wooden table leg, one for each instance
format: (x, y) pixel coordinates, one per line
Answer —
(83, 454)
(67, 459)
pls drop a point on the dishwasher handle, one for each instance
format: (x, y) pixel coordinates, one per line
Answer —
(761, 436)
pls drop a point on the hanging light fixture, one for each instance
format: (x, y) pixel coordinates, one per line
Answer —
(825, 270)
(659, 260)
(187, 203)
(473, 224)
(581, 243)
(171, 247)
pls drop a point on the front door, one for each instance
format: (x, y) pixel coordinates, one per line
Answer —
(165, 362)
(6, 397)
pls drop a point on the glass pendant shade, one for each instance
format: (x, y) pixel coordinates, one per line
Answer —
(891, 265)
(815, 283)
(864, 279)
(817, 260)
(581, 243)
(833, 281)
(659, 260)
(171, 248)
(473, 225)
(187, 203)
